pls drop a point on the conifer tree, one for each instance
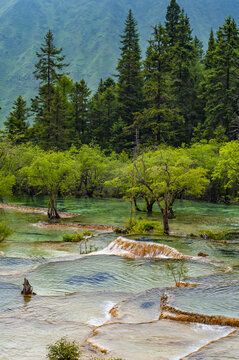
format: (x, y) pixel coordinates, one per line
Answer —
(184, 81)
(208, 61)
(16, 124)
(130, 82)
(159, 121)
(57, 131)
(103, 113)
(50, 65)
(80, 104)
(172, 20)
(49, 70)
(222, 80)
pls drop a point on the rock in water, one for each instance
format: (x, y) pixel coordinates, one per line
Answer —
(27, 288)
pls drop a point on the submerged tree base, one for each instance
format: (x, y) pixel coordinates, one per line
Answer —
(27, 288)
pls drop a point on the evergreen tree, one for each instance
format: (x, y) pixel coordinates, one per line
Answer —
(50, 65)
(57, 132)
(130, 82)
(222, 81)
(103, 113)
(16, 125)
(80, 104)
(49, 70)
(208, 61)
(185, 75)
(160, 123)
(172, 21)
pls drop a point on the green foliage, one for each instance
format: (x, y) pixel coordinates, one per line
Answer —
(227, 167)
(143, 227)
(130, 81)
(88, 233)
(18, 55)
(222, 81)
(77, 237)
(79, 114)
(214, 235)
(64, 349)
(16, 125)
(177, 270)
(52, 173)
(72, 237)
(5, 231)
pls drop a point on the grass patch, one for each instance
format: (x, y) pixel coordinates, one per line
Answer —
(5, 231)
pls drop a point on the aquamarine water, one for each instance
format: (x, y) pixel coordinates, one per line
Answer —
(76, 293)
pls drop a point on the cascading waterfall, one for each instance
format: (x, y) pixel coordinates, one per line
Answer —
(136, 249)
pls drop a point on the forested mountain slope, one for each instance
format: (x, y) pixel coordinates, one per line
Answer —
(88, 31)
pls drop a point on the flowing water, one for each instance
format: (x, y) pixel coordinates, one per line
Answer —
(110, 299)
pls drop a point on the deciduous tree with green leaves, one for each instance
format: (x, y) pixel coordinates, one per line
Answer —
(52, 173)
(167, 173)
(227, 167)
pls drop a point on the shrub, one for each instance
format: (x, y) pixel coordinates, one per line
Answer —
(72, 237)
(5, 231)
(143, 227)
(120, 230)
(63, 350)
(214, 235)
(88, 233)
(177, 270)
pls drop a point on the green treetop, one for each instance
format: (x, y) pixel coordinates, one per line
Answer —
(49, 70)
(172, 20)
(130, 82)
(166, 174)
(80, 103)
(50, 65)
(52, 173)
(16, 124)
(185, 75)
(208, 61)
(222, 80)
(159, 121)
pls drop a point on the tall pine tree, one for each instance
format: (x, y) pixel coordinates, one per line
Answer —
(222, 81)
(159, 121)
(172, 21)
(130, 81)
(48, 70)
(185, 75)
(80, 106)
(208, 61)
(16, 124)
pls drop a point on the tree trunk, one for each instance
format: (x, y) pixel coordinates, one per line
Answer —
(135, 205)
(165, 221)
(149, 204)
(27, 288)
(171, 214)
(52, 211)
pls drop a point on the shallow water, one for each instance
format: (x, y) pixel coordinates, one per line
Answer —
(104, 273)
(156, 341)
(218, 295)
(133, 287)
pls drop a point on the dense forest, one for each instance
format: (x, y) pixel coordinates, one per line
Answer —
(165, 126)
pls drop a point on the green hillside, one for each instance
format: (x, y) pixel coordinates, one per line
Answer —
(88, 31)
